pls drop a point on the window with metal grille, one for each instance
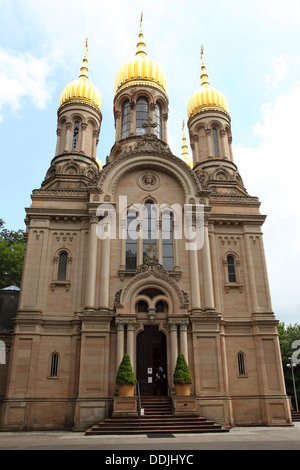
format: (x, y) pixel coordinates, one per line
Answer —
(241, 364)
(149, 228)
(125, 120)
(231, 269)
(167, 242)
(75, 135)
(62, 267)
(158, 120)
(216, 142)
(131, 241)
(54, 365)
(142, 114)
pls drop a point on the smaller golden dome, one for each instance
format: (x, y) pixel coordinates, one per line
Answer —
(141, 70)
(100, 166)
(81, 90)
(207, 97)
(185, 155)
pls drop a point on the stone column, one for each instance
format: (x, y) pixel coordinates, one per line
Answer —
(132, 118)
(68, 136)
(130, 341)
(58, 133)
(223, 135)
(207, 271)
(90, 299)
(174, 345)
(118, 125)
(208, 139)
(82, 140)
(105, 269)
(183, 339)
(195, 284)
(195, 149)
(164, 124)
(120, 341)
(160, 241)
(95, 143)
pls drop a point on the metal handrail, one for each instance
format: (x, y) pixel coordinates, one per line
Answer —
(139, 402)
(172, 400)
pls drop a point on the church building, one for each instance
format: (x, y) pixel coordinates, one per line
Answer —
(152, 255)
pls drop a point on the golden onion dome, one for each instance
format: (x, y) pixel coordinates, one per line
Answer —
(141, 70)
(207, 97)
(185, 155)
(81, 90)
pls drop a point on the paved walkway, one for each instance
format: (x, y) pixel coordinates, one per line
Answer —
(240, 438)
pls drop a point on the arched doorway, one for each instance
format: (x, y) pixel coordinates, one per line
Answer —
(151, 353)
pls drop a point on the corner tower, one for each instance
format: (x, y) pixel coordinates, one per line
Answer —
(75, 164)
(140, 97)
(209, 125)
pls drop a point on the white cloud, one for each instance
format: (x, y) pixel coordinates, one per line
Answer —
(270, 171)
(23, 76)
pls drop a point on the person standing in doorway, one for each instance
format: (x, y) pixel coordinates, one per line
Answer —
(160, 381)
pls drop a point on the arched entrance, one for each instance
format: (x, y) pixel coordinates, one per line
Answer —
(151, 353)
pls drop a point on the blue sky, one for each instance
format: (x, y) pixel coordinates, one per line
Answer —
(252, 54)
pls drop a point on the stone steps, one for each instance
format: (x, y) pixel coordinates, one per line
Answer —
(157, 418)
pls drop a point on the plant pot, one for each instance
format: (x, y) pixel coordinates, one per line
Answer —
(182, 390)
(126, 390)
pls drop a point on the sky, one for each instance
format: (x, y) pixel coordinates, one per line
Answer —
(252, 54)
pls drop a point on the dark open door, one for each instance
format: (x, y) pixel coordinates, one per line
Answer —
(151, 354)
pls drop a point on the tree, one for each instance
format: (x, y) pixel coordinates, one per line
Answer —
(125, 373)
(287, 335)
(182, 373)
(12, 249)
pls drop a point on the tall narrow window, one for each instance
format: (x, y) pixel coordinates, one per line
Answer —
(241, 364)
(158, 120)
(216, 142)
(167, 242)
(125, 120)
(231, 269)
(75, 136)
(142, 114)
(149, 228)
(131, 241)
(62, 267)
(54, 365)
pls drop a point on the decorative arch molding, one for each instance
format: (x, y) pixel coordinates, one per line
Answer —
(165, 162)
(152, 276)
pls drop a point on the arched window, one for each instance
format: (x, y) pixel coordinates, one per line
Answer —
(142, 114)
(125, 120)
(142, 306)
(75, 136)
(216, 142)
(241, 363)
(149, 228)
(231, 269)
(131, 241)
(167, 242)
(62, 266)
(158, 120)
(54, 365)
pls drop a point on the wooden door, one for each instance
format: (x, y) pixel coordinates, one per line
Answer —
(151, 354)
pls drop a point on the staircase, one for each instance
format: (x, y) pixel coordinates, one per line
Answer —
(295, 415)
(157, 419)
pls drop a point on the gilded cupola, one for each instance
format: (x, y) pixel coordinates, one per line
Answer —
(206, 97)
(141, 70)
(82, 90)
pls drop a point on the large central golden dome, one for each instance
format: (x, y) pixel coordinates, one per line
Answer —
(207, 97)
(141, 70)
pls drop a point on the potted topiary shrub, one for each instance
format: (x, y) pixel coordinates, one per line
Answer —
(125, 378)
(182, 377)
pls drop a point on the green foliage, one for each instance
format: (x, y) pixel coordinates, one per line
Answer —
(125, 373)
(12, 249)
(287, 335)
(182, 374)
